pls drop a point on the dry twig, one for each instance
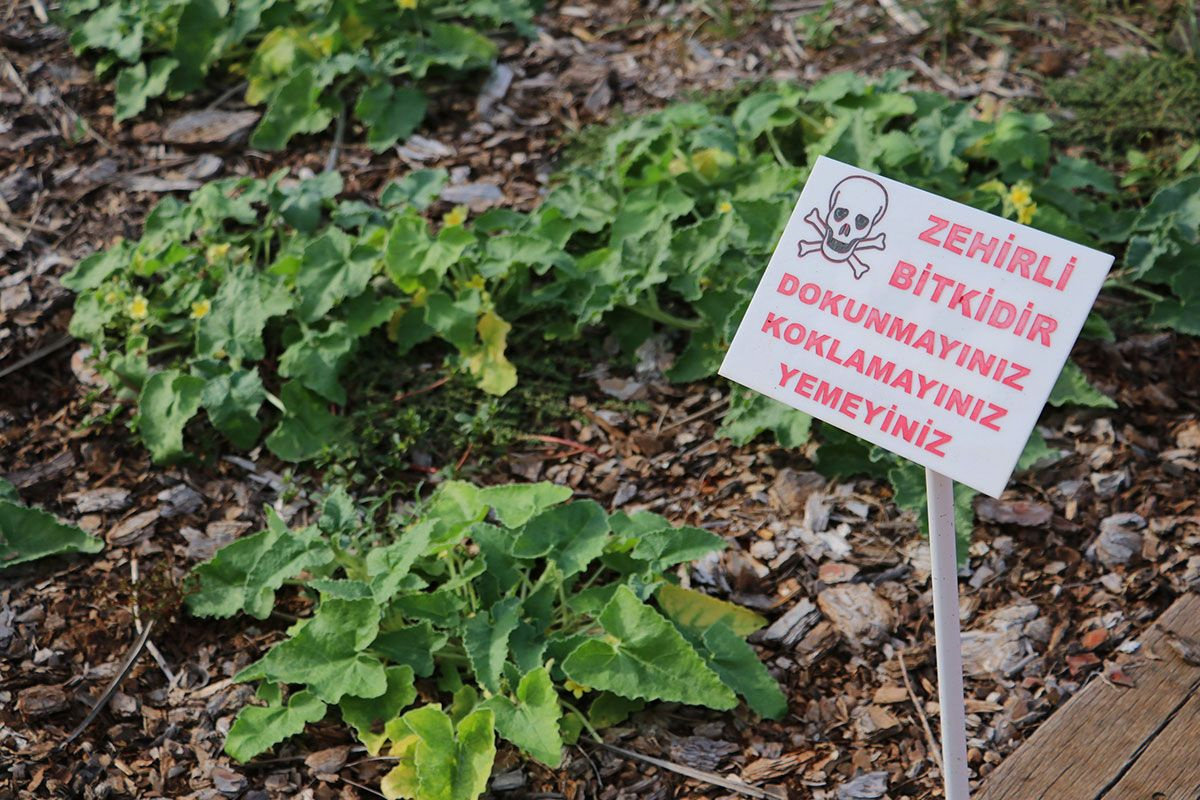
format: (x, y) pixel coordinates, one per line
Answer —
(576, 447)
(137, 623)
(110, 690)
(942, 80)
(698, 414)
(225, 95)
(935, 749)
(414, 392)
(695, 774)
(37, 355)
(361, 787)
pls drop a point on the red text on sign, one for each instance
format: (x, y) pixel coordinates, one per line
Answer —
(911, 382)
(939, 345)
(1006, 254)
(975, 304)
(888, 419)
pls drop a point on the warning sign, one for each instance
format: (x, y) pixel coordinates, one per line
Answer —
(917, 323)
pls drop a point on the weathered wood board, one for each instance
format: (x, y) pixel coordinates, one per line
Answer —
(1110, 743)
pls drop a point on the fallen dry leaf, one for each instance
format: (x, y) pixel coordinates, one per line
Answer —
(1081, 662)
(1094, 638)
(1027, 513)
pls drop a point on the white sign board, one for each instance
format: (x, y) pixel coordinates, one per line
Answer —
(920, 324)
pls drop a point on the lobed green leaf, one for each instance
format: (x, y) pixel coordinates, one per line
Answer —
(244, 575)
(27, 534)
(257, 729)
(531, 721)
(643, 656)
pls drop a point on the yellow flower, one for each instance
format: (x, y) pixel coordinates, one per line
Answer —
(407, 4)
(1020, 196)
(476, 282)
(111, 298)
(200, 308)
(1025, 213)
(138, 307)
(577, 689)
(724, 206)
(455, 217)
(216, 252)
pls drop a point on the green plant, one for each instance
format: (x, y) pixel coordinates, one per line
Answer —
(1164, 252)
(662, 222)
(668, 220)
(728, 18)
(515, 603)
(27, 534)
(259, 292)
(1186, 31)
(1140, 110)
(818, 26)
(305, 61)
(452, 420)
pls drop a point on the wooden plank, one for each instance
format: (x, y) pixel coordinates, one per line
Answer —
(1169, 769)
(1110, 743)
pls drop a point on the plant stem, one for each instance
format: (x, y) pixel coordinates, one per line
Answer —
(1119, 283)
(649, 308)
(454, 658)
(164, 347)
(583, 719)
(783, 162)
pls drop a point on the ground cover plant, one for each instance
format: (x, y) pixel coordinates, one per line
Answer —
(307, 63)
(673, 211)
(523, 607)
(275, 274)
(1146, 104)
(1137, 113)
(247, 302)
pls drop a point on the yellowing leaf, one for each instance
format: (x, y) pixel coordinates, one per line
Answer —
(438, 761)
(401, 782)
(493, 371)
(280, 53)
(710, 161)
(699, 612)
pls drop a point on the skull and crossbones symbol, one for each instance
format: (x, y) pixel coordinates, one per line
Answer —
(856, 205)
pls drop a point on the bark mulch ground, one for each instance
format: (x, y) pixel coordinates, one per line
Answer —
(1067, 570)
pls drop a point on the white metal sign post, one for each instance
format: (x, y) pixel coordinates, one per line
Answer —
(947, 634)
(927, 327)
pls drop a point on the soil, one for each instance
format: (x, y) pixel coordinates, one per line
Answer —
(1048, 603)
